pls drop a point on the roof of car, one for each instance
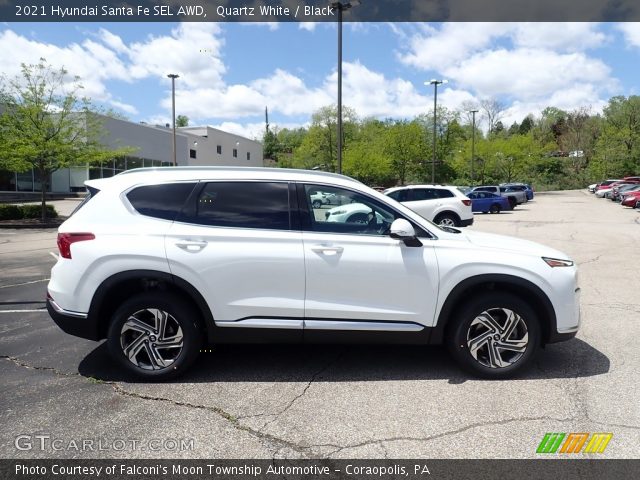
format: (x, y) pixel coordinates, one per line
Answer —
(393, 189)
(165, 174)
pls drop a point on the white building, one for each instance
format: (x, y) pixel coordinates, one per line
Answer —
(197, 146)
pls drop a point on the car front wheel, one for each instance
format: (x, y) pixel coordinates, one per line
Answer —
(494, 336)
(155, 335)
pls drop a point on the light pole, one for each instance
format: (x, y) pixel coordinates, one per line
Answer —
(340, 7)
(173, 77)
(435, 84)
(473, 141)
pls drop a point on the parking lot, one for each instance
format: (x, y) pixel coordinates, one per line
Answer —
(334, 401)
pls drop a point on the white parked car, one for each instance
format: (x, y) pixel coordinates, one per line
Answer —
(446, 206)
(162, 261)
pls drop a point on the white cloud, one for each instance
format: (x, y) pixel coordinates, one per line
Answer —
(558, 36)
(526, 73)
(91, 61)
(631, 33)
(125, 107)
(253, 131)
(530, 65)
(309, 26)
(193, 51)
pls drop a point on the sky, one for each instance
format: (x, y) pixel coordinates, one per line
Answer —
(229, 72)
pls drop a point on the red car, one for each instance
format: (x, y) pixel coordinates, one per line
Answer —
(631, 199)
(606, 184)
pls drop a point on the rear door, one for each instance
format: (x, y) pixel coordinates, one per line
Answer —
(235, 243)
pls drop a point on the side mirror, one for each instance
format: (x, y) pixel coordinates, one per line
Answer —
(403, 230)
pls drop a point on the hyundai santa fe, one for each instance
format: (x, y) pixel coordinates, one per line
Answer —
(161, 262)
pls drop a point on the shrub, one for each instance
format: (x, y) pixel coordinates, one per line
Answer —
(18, 212)
(10, 212)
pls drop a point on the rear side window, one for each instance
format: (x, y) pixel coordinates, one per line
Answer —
(423, 194)
(160, 201)
(242, 205)
(444, 193)
(399, 195)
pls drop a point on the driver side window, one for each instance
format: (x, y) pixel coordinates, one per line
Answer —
(337, 210)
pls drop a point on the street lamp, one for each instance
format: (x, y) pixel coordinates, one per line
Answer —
(435, 84)
(340, 7)
(473, 141)
(173, 77)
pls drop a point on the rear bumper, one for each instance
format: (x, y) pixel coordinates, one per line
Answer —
(466, 223)
(73, 323)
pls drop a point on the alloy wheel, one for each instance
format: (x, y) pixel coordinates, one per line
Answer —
(151, 339)
(497, 338)
(447, 222)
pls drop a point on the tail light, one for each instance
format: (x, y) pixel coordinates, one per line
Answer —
(66, 239)
(466, 202)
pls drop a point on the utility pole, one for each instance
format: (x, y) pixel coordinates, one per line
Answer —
(473, 142)
(173, 77)
(435, 84)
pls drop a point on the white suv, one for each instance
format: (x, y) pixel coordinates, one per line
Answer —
(445, 206)
(162, 261)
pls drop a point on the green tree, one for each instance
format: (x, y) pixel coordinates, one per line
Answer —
(405, 145)
(366, 158)
(46, 126)
(182, 121)
(319, 146)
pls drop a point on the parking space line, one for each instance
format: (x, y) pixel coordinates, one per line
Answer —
(25, 283)
(24, 311)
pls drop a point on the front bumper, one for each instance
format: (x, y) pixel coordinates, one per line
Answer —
(73, 323)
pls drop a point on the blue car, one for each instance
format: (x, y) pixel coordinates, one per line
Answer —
(488, 202)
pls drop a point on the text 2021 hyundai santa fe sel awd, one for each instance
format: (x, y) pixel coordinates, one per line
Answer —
(160, 262)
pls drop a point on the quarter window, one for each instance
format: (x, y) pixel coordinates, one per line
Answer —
(242, 205)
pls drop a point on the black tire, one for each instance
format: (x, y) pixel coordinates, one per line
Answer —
(495, 208)
(467, 324)
(180, 317)
(513, 202)
(447, 219)
(317, 204)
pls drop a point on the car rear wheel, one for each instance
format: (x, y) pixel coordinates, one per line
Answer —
(447, 220)
(495, 208)
(155, 335)
(494, 336)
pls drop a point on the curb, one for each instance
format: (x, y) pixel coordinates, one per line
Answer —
(21, 226)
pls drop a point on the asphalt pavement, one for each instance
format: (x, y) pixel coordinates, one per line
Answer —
(333, 401)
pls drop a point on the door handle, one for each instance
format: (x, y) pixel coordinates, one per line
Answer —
(327, 250)
(191, 246)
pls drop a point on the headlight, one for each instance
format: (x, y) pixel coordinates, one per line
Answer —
(557, 262)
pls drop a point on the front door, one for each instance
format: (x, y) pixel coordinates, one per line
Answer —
(357, 276)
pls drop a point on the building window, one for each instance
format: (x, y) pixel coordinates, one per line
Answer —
(219, 149)
(248, 155)
(235, 153)
(192, 153)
